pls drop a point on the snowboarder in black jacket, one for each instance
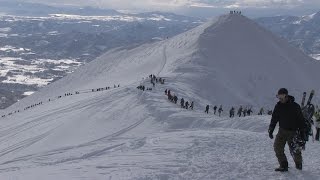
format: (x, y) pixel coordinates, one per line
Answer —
(288, 113)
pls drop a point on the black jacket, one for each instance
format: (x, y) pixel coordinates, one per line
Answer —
(288, 115)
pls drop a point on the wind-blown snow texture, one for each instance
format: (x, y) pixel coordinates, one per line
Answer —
(126, 133)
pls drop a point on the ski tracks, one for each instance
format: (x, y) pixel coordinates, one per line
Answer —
(164, 59)
(25, 143)
(95, 148)
(63, 155)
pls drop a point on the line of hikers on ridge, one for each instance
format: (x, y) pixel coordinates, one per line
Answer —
(235, 12)
(171, 96)
(246, 111)
(153, 81)
(185, 104)
(58, 97)
(174, 99)
(241, 111)
(219, 110)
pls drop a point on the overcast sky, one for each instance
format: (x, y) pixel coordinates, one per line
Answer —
(196, 6)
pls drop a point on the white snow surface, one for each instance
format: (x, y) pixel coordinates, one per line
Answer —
(126, 133)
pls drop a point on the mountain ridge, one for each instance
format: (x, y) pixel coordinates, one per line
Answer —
(204, 57)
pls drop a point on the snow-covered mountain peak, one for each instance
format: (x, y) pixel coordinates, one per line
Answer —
(230, 60)
(242, 63)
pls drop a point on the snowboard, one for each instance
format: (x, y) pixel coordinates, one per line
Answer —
(300, 138)
(303, 98)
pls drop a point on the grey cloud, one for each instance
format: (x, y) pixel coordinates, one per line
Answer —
(165, 4)
(199, 6)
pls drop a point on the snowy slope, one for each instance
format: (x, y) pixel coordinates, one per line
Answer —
(126, 133)
(130, 134)
(230, 60)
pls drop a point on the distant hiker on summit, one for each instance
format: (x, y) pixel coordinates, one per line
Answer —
(249, 111)
(215, 109)
(239, 111)
(244, 112)
(220, 110)
(231, 112)
(288, 114)
(207, 109)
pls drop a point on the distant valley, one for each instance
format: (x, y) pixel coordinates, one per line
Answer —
(302, 32)
(35, 51)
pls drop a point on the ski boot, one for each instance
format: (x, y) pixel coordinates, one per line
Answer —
(283, 167)
(299, 166)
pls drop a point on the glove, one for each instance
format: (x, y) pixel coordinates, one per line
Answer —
(270, 131)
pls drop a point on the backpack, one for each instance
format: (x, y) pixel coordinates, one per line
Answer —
(300, 138)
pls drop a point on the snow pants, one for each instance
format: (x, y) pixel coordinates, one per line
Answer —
(285, 136)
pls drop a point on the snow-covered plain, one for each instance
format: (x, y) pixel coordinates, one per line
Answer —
(126, 133)
(124, 17)
(316, 56)
(20, 72)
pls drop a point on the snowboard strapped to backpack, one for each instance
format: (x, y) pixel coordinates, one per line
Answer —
(301, 137)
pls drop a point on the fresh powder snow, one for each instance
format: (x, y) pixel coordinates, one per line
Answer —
(127, 133)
